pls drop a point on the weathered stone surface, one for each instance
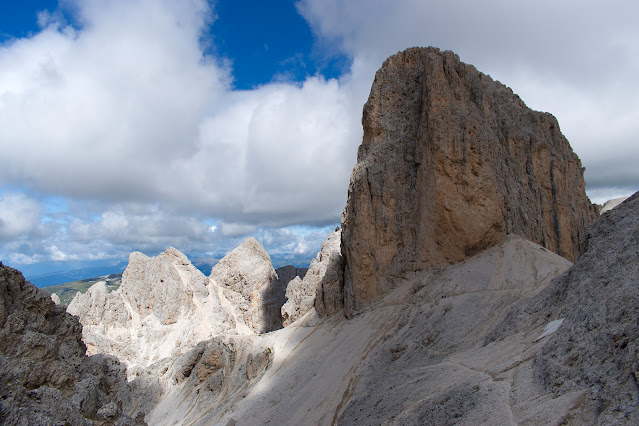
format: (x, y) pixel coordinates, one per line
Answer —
(324, 270)
(45, 377)
(451, 161)
(272, 305)
(249, 282)
(164, 307)
(215, 373)
(597, 343)
(55, 299)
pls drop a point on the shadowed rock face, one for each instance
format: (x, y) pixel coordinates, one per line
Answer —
(45, 377)
(452, 161)
(597, 344)
(319, 287)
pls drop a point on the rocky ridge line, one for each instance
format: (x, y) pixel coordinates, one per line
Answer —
(165, 306)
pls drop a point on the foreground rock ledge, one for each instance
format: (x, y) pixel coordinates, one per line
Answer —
(452, 161)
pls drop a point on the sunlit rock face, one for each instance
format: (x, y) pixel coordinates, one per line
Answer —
(164, 306)
(451, 161)
(246, 279)
(320, 287)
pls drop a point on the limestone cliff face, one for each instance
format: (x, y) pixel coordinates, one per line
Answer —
(247, 279)
(165, 306)
(451, 161)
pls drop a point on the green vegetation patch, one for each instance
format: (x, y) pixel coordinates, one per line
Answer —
(67, 291)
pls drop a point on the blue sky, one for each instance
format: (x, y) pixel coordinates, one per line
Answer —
(141, 124)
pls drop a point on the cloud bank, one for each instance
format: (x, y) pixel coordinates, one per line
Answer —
(126, 116)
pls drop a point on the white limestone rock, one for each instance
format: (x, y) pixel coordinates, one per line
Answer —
(55, 298)
(247, 280)
(611, 204)
(164, 307)
(324, 269)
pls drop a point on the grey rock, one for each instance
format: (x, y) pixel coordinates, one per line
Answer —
(45, 376)
(596, 346)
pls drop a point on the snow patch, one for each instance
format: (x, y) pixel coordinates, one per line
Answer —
(550, 328)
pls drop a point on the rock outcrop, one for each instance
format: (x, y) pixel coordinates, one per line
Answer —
(45, 376)
(398, 360)
(164, 307)
(248, 281)
(611, 204)
(596, 346)
(319, 285)
(206, 381)
(452, 161)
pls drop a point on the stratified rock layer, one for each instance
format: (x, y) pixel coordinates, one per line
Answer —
(451, 161)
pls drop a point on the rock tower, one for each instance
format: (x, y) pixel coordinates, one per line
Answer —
(451, 161)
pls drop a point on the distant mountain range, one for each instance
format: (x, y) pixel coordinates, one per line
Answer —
(62, 277)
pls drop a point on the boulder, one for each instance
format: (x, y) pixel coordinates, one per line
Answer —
(450, 163)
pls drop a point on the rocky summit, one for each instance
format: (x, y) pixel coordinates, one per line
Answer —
(451, 161)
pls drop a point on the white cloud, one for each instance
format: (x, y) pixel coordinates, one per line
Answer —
(19, 215)
(23, 259)
(125, 117)
(575, 59)
(56, 254)
(119, 111)
(237, 229)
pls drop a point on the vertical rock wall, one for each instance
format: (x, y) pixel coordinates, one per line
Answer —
(451, 161)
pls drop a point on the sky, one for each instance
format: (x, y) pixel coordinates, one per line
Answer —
(142, 124)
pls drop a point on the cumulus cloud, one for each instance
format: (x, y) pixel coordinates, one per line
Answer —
(19, 215)
(125, 115)
(128, 108)
(575, 59)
